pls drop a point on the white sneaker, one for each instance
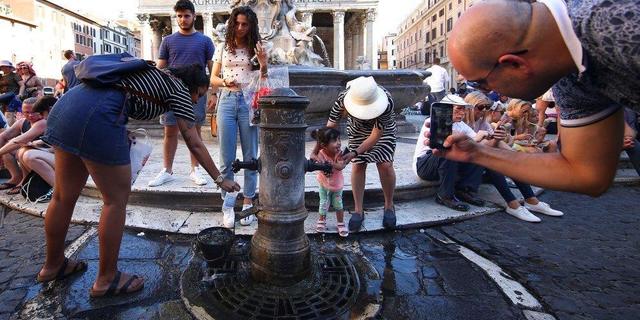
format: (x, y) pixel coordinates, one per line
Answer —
(197, 177)
(162, 178)
(544, 208)
(248, 220)
(228, 217)
(523, 214)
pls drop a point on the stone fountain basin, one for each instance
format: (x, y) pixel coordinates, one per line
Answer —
(322, 85)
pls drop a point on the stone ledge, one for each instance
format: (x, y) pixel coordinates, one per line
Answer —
(411, 214)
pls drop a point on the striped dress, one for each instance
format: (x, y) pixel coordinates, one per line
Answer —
(359, 130)
(162, 86)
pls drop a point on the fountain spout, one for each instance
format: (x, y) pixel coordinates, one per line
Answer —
(253, 164)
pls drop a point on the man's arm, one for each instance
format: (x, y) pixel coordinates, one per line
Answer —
(587, 163)
(37, 129)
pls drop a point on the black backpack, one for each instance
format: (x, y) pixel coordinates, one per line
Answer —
(34, 187)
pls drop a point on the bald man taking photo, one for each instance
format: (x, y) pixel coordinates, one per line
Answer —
(588, 50)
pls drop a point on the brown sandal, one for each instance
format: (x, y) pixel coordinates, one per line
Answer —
(79, 267)
(14, 190)
(113, 287)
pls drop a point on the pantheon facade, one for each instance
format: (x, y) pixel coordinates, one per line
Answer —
(345, 26)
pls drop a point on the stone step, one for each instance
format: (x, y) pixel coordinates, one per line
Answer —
(410, 214)
(420, 212)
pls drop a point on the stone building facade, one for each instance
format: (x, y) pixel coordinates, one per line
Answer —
(345, 26)
(423, 35)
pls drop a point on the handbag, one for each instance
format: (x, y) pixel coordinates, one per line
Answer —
(139, 151)
(34, 187)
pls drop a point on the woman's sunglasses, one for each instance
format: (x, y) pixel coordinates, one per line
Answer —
(482, 107)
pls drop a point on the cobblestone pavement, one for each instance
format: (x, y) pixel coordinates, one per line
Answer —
(419, 279)
(582, 266)
(22, 247)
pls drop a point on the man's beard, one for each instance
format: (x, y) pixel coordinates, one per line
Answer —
(189, 27)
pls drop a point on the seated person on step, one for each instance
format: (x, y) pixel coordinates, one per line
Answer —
(23, 131)
(458, 181)
(37, 155)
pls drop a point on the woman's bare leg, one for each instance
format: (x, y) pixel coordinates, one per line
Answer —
(114, 183)
(71, 176)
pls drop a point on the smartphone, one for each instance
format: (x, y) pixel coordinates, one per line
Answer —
(441, 124)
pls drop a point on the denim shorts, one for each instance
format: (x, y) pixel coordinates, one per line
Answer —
(169, 119)
(90, 123)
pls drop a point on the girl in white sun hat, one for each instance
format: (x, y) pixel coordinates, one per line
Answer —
(371, 128)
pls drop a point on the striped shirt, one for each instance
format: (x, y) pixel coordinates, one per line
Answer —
(162, 86)
(180, 49)
(359, 130)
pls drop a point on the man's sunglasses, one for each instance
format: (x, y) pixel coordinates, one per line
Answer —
(482, 83)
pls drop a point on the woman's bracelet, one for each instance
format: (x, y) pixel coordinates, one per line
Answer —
(355, 152)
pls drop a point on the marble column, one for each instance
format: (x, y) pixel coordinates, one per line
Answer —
(174, 23)
(307, 18)
(338, 40)
(147, 36)
(207, 21)
(157, 28)
(369, 45)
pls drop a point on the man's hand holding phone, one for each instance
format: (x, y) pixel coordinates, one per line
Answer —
(457, 147)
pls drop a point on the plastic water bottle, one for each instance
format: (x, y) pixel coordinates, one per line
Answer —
(230, 199)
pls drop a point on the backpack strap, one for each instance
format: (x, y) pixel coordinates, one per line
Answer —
(142, 95)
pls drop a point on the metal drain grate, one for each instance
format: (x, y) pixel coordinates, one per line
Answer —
(330, 292)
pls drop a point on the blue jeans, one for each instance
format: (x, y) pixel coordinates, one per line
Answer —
(452, 175)
(233, 117)
(500, 182)
(634, 156)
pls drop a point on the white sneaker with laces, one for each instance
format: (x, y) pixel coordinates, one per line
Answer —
(162, 178)
(248, 220)
(544, 208)
(523, 214)
(228, 217)
(197, 177)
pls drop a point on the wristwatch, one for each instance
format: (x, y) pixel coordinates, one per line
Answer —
(219, 179)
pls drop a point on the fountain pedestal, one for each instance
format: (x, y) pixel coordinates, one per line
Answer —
(280, 248)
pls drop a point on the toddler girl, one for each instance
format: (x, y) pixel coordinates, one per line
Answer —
(328, 140)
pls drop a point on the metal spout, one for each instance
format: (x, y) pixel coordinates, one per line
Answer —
(253, 164)
(311, 165)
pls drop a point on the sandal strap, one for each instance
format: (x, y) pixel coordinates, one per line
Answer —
(125, 287)
(114, 285)
(60, 275)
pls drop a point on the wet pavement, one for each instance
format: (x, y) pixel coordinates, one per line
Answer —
(581, 266)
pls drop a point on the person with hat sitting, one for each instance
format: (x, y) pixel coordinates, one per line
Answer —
(371, 128)
(9, 88)
(458, 180)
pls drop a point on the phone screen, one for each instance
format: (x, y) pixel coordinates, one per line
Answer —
(441, 124)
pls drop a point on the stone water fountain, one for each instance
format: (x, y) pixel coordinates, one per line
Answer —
(278, 275)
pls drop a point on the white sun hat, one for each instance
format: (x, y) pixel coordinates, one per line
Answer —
(365, 100)
(453, 100)
(6, 63)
